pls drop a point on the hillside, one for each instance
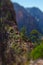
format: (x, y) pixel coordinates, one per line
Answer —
(13, 49)
(25, 19)
(16, 48)
(38, 15)
(8, 30)
(31, 18)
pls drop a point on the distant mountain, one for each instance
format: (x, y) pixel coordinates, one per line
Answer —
(38, 14)
(24, 18)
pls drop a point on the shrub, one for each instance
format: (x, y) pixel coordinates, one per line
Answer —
(37, 52)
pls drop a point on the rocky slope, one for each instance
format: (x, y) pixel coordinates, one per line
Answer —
(13, 50)
(37, 62)
(38, 15)
(24, 18)
(8, 29)
(31, 18)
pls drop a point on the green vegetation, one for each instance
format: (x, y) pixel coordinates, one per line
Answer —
(37, 52)
(16, 48)
(35, 36)
(23, 33)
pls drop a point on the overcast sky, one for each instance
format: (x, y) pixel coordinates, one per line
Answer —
(30, 3)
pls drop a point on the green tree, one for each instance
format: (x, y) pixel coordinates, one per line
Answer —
(23, 33)
(34, 36)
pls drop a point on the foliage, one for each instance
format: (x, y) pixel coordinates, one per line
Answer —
(12, 51)
(34, 36)
(37, 52)
(23, 33)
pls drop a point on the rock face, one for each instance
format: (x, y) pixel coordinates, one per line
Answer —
(37, 62)
(24, 19)
(38, 15)
(13, 50)
(7, 11)
(31, 18)
(8, 27)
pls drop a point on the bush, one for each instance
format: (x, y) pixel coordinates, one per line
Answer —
(37, 52)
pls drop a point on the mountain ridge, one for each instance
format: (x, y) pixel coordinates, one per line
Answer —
(24, 18)
(36, 13)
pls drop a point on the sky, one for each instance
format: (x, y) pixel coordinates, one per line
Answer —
(30, 3)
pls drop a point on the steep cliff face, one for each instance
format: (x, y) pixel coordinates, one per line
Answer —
(7, 11)
(8, 30)
(25, 19)
(13, 50)
(38, 15)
